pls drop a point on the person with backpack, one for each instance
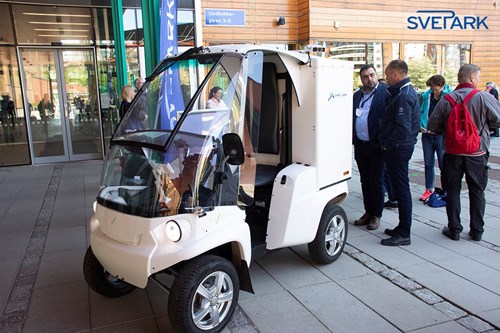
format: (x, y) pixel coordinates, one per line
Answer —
(431, 142)
(465, 117)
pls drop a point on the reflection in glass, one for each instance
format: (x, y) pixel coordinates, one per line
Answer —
(42, 93)
(6, 35)
(13, 136)
(53, 24)
(82, 110)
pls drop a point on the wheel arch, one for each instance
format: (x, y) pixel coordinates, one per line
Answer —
(337, 200)
(233, 252)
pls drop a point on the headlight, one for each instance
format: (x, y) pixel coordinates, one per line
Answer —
(173, 231)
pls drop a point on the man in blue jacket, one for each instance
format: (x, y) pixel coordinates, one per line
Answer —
(399, 127)
(368, 105)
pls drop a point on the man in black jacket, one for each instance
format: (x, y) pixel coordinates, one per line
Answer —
(399, 127)
(368, 104)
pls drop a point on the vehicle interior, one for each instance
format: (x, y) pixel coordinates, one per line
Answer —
(272, 153)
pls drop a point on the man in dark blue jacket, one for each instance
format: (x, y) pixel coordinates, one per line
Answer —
(368, 104)
(399, 127)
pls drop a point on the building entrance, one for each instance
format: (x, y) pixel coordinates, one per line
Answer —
(62, 100)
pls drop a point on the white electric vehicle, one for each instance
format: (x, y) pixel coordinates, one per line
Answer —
(190, 195)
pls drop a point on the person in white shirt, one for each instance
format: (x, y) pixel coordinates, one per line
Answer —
(215, 99)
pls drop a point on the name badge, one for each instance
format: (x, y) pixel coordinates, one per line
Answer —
(359, 112)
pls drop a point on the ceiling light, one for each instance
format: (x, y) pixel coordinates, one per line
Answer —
(59, 23)
(63, 15)
(65, 36)
(62, 29)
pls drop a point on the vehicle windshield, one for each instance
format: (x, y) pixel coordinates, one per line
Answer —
(168, 160)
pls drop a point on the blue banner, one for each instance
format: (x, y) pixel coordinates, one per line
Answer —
(170, 95)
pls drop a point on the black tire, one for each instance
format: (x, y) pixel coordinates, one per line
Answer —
(101, 281)
(195, 303)
(331, 236)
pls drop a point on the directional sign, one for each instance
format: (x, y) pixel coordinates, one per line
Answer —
(225, 17)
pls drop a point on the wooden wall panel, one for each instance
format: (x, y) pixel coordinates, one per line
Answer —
(360, 20)
(371, 20)
(261, 17)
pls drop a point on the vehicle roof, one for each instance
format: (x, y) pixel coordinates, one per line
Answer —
(245, 48)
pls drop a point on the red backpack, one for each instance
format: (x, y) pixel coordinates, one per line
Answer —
(462, 135)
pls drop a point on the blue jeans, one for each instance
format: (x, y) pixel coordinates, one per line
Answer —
(397, 160)
(387, 185)
(432, 145)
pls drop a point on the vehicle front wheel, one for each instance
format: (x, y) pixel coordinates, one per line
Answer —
(204, 295)
(331, 235)
(103, 282)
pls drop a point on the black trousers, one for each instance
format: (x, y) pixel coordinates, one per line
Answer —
(476, 176)
(397, 160)
(370, 165)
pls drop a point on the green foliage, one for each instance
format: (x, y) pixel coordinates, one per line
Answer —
(450, 74)
(420, 70)
(356, 81)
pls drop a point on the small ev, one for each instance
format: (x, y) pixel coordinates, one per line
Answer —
(196, 192)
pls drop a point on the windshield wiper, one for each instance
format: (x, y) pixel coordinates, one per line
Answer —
(168, 62)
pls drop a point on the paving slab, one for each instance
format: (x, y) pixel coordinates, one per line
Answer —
(450, 326)
(63, 308)
(343, 268)
(290, 270)
(392, 256)
(482, 275)
(281, 312)
(110, 311)
(262, 282)
(393, 303)
(449, 285)
(58, 268)
(492, 316)
(340, 311)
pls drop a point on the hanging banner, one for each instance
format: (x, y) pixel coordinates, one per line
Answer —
(170, 100)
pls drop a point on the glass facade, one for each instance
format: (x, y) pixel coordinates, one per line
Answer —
(424, 60)
(14, 148)
(50, 41)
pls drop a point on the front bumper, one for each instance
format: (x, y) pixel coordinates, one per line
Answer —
(133, 248)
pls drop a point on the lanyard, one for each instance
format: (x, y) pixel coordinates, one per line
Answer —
(367, 99)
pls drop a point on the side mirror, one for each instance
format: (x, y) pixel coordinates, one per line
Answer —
(233, 148)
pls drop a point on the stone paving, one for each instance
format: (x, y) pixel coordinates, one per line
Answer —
(433, 285)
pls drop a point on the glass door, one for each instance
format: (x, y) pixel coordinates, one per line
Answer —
(62, 98)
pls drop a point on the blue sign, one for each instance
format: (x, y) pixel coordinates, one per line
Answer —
(225, 17)
(445, 19)
(170, 95)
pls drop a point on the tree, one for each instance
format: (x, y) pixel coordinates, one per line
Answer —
(420, 70)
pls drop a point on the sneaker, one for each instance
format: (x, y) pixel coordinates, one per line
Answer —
(426, 195)
(390, 204)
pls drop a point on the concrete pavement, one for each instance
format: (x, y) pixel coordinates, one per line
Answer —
(433, 285)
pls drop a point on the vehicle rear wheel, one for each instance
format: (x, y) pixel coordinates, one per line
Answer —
(103, 282)
(204, 295)
(331, 235)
